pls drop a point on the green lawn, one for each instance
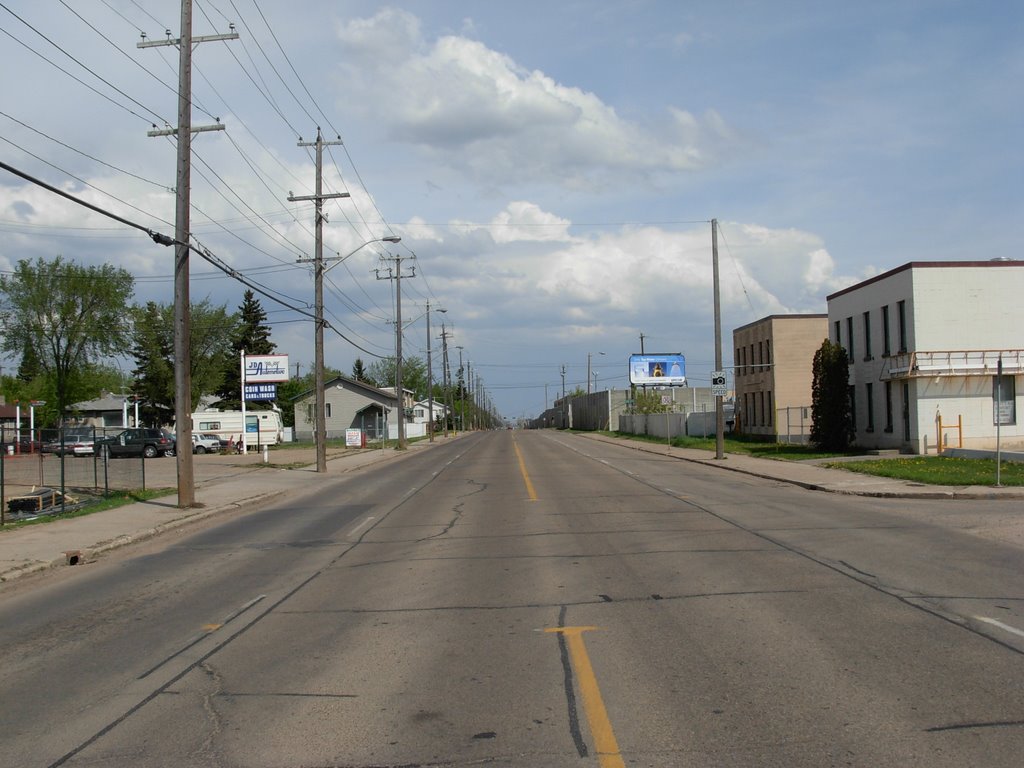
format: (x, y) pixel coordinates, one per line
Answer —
(939, 470)
(931, 470)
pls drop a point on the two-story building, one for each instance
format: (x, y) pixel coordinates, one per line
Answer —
(773, 374)
(926, 341)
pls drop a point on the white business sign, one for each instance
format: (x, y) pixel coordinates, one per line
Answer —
(261, 369)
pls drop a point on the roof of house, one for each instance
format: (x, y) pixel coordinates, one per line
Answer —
(349, 383)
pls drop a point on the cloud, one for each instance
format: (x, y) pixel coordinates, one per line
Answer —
(480, 112)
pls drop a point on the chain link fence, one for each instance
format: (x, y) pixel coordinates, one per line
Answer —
(52, 471)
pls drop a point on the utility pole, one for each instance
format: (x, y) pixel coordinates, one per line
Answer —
(396, 275)
(182, 227)
(719, 408)
(462, 392)
(563, 397)
(320, 417)
(430, 379)
(446, 377)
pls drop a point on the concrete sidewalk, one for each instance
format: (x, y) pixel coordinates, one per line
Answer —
(222, 483)
(226, 483)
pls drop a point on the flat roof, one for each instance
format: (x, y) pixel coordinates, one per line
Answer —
(780, 317)
(927, 265)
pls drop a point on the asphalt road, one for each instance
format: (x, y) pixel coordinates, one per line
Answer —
(530, 599)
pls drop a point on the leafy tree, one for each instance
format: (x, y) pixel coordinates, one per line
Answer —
(414, 374)
(154, 355)
(649, 402)
(68, 315)
(251, 335)
(832, 427)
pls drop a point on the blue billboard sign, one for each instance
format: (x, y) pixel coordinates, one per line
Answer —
(657, 370)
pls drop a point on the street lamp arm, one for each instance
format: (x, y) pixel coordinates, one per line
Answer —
(338, 259)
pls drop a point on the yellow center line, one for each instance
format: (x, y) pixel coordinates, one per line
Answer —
(597, 716)
(522, 469)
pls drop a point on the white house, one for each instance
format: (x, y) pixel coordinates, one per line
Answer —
(925, 342)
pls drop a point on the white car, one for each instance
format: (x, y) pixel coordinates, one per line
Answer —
(205, 443)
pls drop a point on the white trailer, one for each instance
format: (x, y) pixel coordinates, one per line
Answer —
(260, 428)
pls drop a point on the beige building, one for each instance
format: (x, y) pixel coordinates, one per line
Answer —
(773, 374)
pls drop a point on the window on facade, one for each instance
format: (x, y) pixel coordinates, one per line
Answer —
(760, 354)
(849, 340)
(760, 396)
(768, 351)
(901, 318)
(327, 410)
(888, 406)
(835, 330)
(867, 335)
(771, 409)
(1004, 397)
(869, 395)
(739, 367)
(852, 393)
(906, 410)
(885, 330)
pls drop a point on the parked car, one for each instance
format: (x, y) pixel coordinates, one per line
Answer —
(73, 444)
(203, 442)
(137, 441)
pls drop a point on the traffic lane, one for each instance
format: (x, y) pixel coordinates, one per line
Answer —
(418, 646)
(316, 681)
(82, 651)
(837, 653)
(964, 560)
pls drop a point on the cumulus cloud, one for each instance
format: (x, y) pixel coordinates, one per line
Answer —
(481, 112)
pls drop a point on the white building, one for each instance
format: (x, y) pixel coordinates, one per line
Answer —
(925, 341)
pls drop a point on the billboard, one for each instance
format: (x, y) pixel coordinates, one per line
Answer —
(657, 370)
(263, 369)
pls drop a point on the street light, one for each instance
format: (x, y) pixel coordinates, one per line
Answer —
(320, 416)
(588, 369)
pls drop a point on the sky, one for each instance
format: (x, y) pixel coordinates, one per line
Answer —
(551, 168)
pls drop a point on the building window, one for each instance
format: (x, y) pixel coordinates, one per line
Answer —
(849, 340)
(768, 351)
(886, 350)
(888, 406)
(760, 396)
(835, 329)
(901, 318)
(852, 392)
(327, 410)
(760, 354)
(869, 394)
(867, 335)
(771, 409)
(739, 367)
(1004, 396)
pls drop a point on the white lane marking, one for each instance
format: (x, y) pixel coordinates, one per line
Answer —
(997, 623)
(365, 522)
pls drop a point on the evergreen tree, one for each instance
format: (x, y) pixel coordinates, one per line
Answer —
(832, 427)
(153, 349)
(252, 336)
(359, 370)
(29, 368)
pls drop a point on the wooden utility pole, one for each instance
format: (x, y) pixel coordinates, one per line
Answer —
(719, 408)
(320, 417)
(182, 226)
